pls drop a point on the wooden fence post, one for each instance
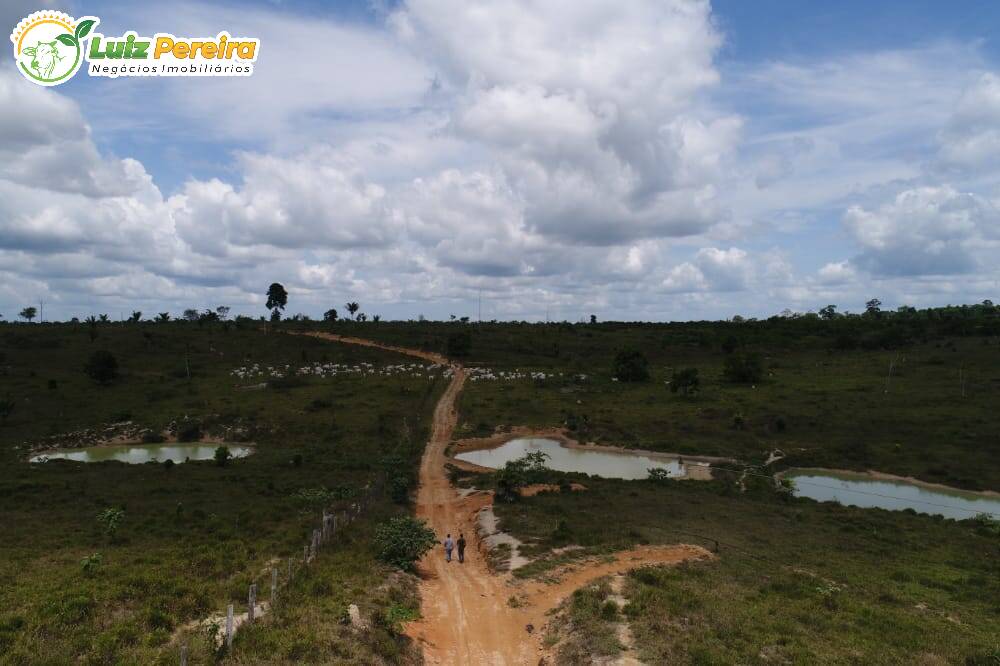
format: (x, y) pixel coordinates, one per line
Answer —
(305, 554)
(229, 627)
(274, 585)
(184, 655)
(252, 602)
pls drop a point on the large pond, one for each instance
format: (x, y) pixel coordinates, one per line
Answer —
(859, 489)
(609, 464)
(137, 454)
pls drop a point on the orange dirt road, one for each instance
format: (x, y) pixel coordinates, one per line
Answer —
(466, 614)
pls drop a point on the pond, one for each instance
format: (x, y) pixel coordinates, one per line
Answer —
(137, 454)
(866, 491)
(627, 465)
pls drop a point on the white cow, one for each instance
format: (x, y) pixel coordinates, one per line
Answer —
(44, 58)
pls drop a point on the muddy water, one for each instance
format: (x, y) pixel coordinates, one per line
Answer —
(137, 454)
(858, 489)
(609, 464)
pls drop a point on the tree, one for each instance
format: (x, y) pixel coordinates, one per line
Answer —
(631, 365)
(103, 318)
(516, 474)
(135, 317)
(685, 382)
(352, 307)
(102, 367)
(208, 315)
(330, 315)
(743, 368)
(829, 312)
(873, 308)
(593, 319)
(92, 327)
(191, 314)
(163, 317)
(29, 313)
(403, 540)
(376, 318)
(362, 316)
(222, 312)
(277, 299)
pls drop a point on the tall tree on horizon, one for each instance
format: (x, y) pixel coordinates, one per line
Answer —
(277, 299)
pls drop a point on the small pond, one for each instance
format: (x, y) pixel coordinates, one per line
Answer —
(859, 489)
(609, 464)
(137, 454)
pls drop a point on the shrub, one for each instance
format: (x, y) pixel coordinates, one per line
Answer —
(743, 368)
(658, 474)
(110, 520)
(631, 366)
(102, 367)
(518, 473)
(685, 382)
(222, 456)
(402, 541)
(399, 488)
(90, 563)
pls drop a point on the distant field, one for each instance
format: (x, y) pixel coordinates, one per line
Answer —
(936, 420)
(195, 535)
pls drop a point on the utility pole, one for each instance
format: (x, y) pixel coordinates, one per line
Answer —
(41, 311)
(480, 305)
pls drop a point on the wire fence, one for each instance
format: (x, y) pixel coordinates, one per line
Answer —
(332, 523)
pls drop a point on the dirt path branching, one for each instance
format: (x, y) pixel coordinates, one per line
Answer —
(469, 614)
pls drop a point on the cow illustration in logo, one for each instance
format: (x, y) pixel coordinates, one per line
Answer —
(48, 46)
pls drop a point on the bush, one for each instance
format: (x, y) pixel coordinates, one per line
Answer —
(402, 541)
(110, 520)
(685, 382)
(222, 456)
(516, 474)
(399, 488)
(743, 368)
(631, 366)
(102, 367)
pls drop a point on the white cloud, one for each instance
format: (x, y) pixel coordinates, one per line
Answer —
(972, 137)
(923, 231)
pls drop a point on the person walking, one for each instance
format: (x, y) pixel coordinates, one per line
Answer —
(449, 545)
(461, 548)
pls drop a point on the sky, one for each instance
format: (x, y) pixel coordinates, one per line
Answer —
(649, 159)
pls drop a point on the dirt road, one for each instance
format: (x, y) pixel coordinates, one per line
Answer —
(466, 614)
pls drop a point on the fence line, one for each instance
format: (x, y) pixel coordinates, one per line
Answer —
(330, 525)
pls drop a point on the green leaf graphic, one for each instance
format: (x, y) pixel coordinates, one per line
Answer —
(68, 40)
(84, 28)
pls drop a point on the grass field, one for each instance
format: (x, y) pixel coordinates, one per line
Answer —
(194, 535)
(794, 581)
(936, 420)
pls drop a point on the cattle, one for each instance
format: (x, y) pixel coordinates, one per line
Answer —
(44, 58)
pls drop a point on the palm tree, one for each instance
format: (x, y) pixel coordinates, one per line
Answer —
(163, 317)
(104, 318)
(353, 307)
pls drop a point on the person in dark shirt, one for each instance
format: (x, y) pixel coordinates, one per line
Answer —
(461, 548)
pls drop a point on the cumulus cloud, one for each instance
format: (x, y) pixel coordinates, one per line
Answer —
(595, 113)
(972, 136)
(923, 231)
